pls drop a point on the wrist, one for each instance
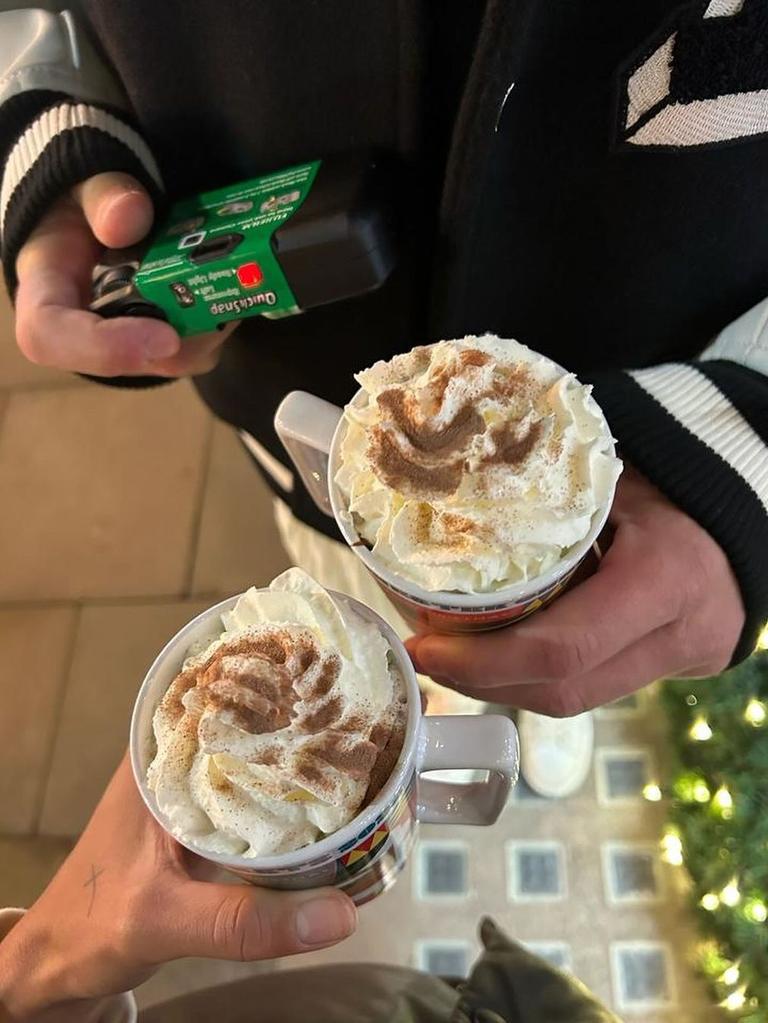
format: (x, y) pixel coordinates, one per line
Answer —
(28, 968)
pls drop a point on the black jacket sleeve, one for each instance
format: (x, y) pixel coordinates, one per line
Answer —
(699, 431)
(62, 120)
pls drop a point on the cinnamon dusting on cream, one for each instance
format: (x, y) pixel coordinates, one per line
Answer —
(270, 737)
(413, 453)
(487, 430)
(511, 448)
(401, 472)
(447, 439)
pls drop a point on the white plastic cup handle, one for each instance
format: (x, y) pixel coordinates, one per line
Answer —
(483, 742)
(306, 426)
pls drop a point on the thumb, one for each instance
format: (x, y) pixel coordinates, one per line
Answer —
(245, 923)
(118, 209)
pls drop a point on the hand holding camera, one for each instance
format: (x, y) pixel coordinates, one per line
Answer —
(53, 324)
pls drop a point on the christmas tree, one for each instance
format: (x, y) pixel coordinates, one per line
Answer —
(718, 826)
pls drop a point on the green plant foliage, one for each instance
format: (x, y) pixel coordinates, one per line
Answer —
(719, 807)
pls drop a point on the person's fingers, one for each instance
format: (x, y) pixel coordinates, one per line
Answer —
(52, 328)
(654, 656)
(117, 208)
(240, 922)
(51, 333)
(54, 271)
(628, 597)
(61, 241)
(197, 355)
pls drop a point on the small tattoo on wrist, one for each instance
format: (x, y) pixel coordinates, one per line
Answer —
(91, 883)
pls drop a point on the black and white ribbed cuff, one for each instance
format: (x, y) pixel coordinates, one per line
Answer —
(699, 432)
(63, 144)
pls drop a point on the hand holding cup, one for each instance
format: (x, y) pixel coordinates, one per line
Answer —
(125, 901)
(664, 602)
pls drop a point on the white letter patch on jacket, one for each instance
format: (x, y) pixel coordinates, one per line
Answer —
(702, 81)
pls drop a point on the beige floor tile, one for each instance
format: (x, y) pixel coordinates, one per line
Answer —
(15, 370)
(113, 649)
(26, 867)
(100, 491)
(36, 646)
(238, 544)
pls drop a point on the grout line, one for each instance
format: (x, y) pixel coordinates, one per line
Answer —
(58, 708)
(159, 600)
(197, 521)
(31, 604)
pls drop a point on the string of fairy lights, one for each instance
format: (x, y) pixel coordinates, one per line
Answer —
(691, 787)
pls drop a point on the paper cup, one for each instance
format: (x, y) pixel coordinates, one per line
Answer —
(365, 856)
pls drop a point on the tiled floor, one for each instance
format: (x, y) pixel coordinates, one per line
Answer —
(122, 514)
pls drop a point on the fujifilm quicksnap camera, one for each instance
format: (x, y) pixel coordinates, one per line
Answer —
(273, 246)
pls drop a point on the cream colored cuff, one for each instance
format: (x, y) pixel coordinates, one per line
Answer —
(744, 341)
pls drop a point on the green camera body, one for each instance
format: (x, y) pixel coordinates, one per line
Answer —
(272, 246)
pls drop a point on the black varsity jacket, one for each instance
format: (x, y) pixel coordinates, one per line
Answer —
(587, 176)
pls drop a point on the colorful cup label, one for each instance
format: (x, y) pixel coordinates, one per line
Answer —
(365, 866)
(442, 617)
(370, 863)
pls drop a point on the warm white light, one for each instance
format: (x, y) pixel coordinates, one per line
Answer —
(671, 836)
(700, 730)
(723, 801)
(735, 1000)
(710, 901)
(762, 639)
(730, 895)
(674, 857)
(756, 910)
(756, 713)
(652, 792)
(672, 848)
(701, 792)
(731, 975)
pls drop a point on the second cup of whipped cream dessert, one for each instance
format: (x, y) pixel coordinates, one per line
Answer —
(280, 735)
(472, 477)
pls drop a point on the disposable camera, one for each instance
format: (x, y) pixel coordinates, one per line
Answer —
(273, 246)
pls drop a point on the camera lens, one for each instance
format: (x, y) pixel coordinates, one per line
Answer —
(112, 279)
(139, 308)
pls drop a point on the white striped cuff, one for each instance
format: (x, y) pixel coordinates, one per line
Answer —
(30, 147)
(699, 432)
(744, 341)
(702, 409)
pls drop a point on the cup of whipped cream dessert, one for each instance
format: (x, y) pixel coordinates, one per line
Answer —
(472, 477)
(280, 735)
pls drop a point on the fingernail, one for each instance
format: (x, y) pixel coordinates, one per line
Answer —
(323, 921)
(115, 197)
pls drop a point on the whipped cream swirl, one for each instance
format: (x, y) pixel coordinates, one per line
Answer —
(473, 464)
(279, 730)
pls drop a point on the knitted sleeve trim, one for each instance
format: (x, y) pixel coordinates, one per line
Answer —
(700, 433)
(63, 144)
(48, 143)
